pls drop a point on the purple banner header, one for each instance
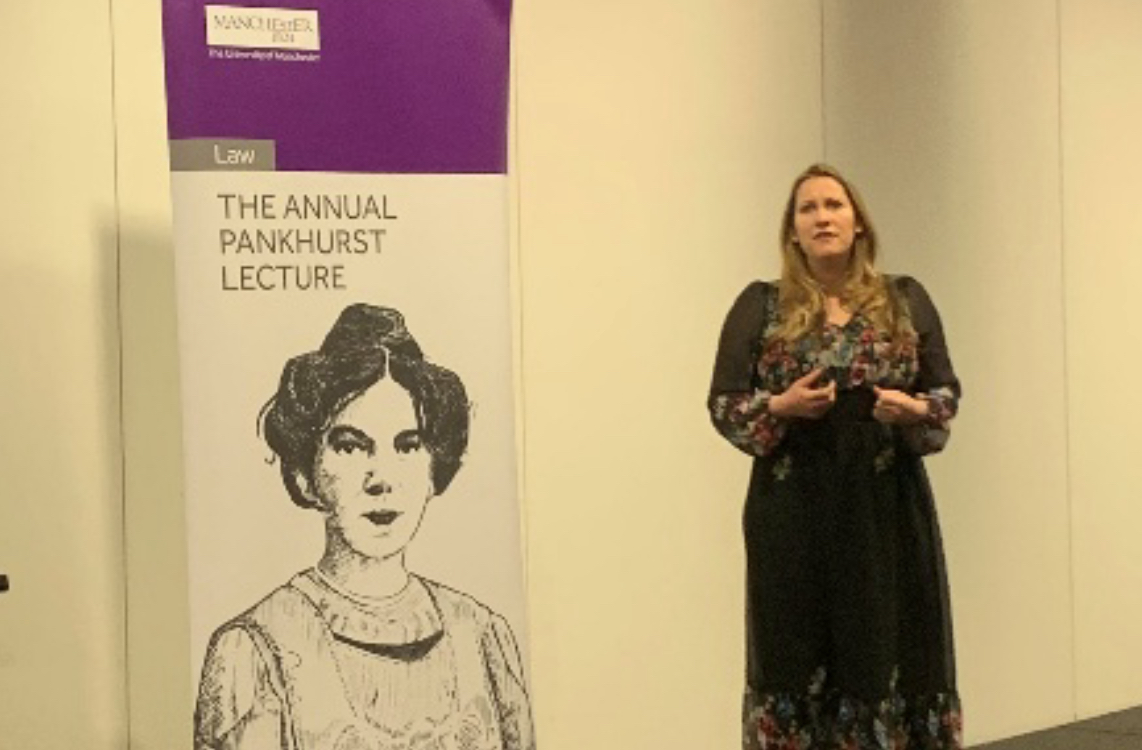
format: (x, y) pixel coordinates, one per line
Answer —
(405, 86)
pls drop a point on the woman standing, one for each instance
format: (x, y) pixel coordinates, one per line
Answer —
(837, 380)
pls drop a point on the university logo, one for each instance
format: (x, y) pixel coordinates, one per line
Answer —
(262, 28)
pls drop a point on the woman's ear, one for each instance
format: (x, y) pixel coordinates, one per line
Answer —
(305, 486)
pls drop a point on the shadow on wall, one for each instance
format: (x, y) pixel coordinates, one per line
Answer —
(158, 659)
(891, 115)
(919, 101)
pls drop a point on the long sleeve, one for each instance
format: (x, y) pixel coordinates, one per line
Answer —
(936, 382)
(738, 408)
(506, 670)
(237, 707)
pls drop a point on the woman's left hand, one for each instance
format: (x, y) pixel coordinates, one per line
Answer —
(897, 407)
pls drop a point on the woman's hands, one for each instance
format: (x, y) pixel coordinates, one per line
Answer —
(897, 407)
(806, 400)
(801, 399)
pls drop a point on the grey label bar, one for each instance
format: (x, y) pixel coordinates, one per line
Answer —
(222, 155)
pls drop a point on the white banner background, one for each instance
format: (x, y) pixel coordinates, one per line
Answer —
(444, 265)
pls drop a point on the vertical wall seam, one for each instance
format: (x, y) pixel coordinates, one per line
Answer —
(1067, 463)
(120, 376)
(824, 119)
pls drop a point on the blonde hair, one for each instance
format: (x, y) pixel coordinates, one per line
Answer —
(801, 298)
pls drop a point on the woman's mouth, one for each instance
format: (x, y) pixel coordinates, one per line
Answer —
(381, 517)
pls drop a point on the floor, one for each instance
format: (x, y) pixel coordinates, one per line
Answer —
(1117, 731)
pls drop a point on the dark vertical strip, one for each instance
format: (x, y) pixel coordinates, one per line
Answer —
(115, 177)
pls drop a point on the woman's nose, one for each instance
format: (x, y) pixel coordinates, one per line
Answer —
(375, 485)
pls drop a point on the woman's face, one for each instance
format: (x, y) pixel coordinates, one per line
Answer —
(373, 475)
(824, 220)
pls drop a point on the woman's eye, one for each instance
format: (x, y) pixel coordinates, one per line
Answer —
(408, 441)
(347, 443)
(347, 447)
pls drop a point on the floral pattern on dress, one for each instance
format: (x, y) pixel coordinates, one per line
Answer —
(941, 406)
(821, 719)
(853, 355)
(745, 420)
(931, 435)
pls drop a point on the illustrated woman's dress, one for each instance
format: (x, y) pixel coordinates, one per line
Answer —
(849, 636)
(314, 668)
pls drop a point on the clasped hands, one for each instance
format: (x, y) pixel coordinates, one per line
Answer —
(809, 401)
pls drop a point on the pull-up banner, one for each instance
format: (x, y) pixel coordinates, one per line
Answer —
(340, 212)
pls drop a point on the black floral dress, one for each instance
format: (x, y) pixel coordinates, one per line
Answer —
(849, 636)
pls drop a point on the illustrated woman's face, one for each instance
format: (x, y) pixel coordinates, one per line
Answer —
(824, 219)
(372, 476)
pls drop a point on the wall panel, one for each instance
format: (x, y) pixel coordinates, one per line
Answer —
(1101, 106)
(61, 625)
(656, 141)
(947, 116)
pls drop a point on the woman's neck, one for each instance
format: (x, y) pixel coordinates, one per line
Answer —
(358, 574)
(830, 276)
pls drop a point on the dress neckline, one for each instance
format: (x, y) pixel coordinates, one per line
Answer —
(408, 617)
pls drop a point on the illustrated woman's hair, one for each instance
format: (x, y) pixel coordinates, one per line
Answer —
(366, 344)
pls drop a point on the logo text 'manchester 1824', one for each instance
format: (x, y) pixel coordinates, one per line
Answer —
(262, 28)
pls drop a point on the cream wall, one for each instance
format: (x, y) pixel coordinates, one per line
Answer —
(1101, 159)
(994, 141)
(947, 116)
(61, 631)
(655, 144)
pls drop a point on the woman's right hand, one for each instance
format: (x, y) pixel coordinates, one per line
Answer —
(804, 400)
